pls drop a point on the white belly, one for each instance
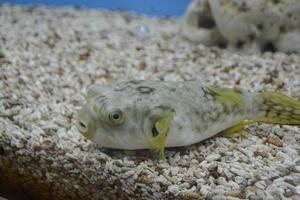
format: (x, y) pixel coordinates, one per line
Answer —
(188, 135)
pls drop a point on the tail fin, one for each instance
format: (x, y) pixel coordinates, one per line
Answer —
(279, 109)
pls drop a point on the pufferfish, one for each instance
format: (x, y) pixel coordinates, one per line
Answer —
(157, 114)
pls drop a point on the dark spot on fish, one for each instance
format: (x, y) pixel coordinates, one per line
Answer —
(155, 132)
(260, 26)
(135, 82)
(102, 101)
(119, 89)
(173, 89)
(145, 89)
(240, 44)
(222, 44)
(206, 21)
(282, 29)
(251, 36)
(122, 86)
(244, 7)
(163, 107)
(269, 47)
(101, 98)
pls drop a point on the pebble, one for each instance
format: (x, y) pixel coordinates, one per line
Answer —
(174, 171)
(212, 157)
(143, 32)
(173, 189)
(275, 141)
(239, 179)
(260, 185)
(298, 189)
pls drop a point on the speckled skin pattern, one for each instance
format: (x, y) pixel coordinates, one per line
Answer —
(198, 114)
(245, 26)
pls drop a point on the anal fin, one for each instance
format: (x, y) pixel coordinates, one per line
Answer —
(236, 129)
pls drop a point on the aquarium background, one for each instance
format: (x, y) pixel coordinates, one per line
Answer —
(147, 7)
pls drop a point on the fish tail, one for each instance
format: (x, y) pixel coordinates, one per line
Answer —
(279, 109)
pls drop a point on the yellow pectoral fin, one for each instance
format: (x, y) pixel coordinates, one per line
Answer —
(158, 144)
(236, 129)
(162, 125)
(164, 122)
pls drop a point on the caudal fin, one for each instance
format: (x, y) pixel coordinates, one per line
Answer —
(279, 109)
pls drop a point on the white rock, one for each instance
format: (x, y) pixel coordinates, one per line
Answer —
(212, 157)
(174, 171)
(239, 179)
(298, 189)
(173, 189)
(261, 185)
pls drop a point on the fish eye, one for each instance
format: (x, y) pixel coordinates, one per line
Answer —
(116, 117)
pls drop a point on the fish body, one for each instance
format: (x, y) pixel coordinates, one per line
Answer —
(158, 114)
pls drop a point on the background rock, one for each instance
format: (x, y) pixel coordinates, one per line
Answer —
(245, 26)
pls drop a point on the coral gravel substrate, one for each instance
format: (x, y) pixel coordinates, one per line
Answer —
(49, 56)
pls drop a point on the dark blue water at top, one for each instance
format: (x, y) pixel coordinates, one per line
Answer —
(147, 7)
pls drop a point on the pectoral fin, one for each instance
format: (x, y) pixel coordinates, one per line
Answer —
(161, 126)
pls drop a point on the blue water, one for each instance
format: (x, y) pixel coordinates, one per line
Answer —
(147, 7)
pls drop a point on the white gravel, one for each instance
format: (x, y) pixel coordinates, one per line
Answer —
(49, 56)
